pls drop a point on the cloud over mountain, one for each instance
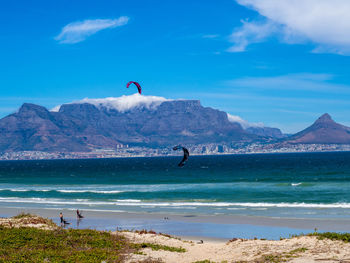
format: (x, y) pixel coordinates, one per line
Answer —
(245, 124)
(123, 103)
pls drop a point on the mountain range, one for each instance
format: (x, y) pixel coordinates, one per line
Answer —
(138, 120)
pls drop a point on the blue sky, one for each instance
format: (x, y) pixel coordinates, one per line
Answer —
(273, 62)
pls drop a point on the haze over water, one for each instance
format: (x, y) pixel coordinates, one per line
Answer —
(303, 185)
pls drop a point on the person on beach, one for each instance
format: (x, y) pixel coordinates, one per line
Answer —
(79, 215)
(63, 222)
(61, 218)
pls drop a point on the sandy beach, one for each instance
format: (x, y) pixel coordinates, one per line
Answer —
(157, 247)
(298, 250)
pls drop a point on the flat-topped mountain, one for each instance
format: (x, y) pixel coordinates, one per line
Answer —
(323, 131)
(108, 123)
(266, 132)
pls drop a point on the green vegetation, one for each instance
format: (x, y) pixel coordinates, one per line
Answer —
(73, 245)
(145, 231)
(332, 235)
(273, 259)
(329, 235)
(160, 247)
(298, 250)
(26, 218)
(23, 215)
(283, 257)
(140, 253)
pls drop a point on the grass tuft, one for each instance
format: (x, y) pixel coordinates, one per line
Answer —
(298, 250)
(144, 231)
(23, 215)
(160, 247)
(345, 237)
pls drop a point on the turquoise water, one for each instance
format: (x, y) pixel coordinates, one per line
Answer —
(303, 185)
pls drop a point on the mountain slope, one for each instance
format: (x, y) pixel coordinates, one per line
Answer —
(323, 131)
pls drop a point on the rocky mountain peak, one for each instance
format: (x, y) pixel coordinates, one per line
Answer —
(323, 131)
(324, 118)
(31, 107)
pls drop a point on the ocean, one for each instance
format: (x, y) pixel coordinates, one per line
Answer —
(295, 185)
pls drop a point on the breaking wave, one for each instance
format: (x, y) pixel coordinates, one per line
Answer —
(135, 202)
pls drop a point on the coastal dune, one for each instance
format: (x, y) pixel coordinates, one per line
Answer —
(149, 246)
(301, 249)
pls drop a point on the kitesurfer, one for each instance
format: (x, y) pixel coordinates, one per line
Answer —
(61, 218)
(186, 154)
(79, 215)
(63, 221)
(136, 84)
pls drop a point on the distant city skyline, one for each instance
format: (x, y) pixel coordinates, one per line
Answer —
(279, 63)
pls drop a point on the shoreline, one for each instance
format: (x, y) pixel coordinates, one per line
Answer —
(303, 223)
(171, 155)
(192, 227)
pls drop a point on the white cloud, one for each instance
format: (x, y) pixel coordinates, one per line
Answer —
(78, 31)
(245, 124)
(322, 22)
(249, 33)
(123, 103)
